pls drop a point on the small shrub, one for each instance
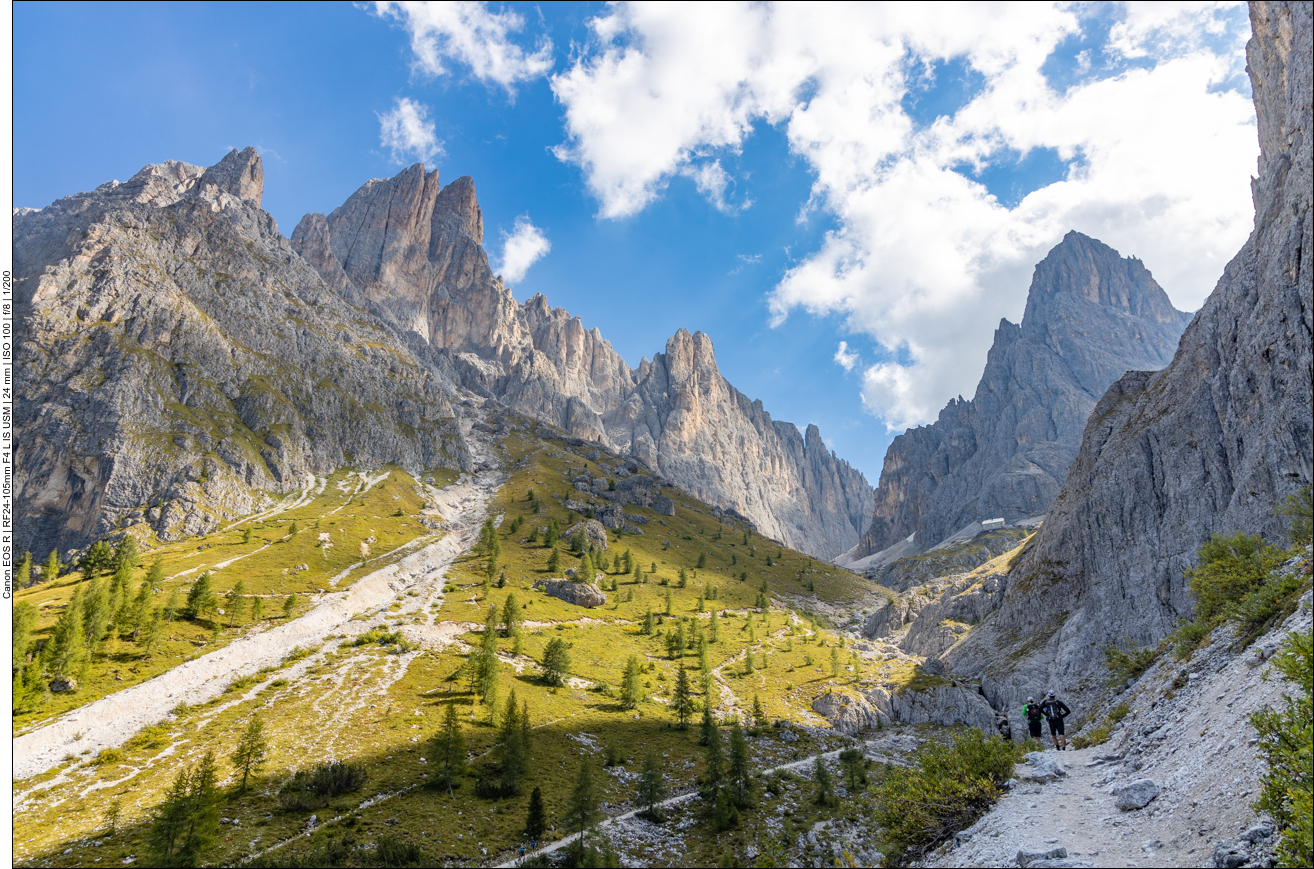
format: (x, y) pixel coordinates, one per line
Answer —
(1286, 743)
(297, 653)
(313, 788)
(150, 737)
(108, 757)
(1127, 665)
(945, 790)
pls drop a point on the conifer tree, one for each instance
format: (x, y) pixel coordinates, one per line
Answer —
(200, 598)
(648, 624)
(628, 558)
(554, 560)
(679, 634)
(682, 701)
(67, 647)
(586, 569)
(651, 789)
(236, 600)
(741, 771)
(714, 626)
(95, 614)
(759, 714)
(24, 619)
(708, 727)
(487, 663)
(669, 602)
(257, 609)
(511, 615)
(536, 817)
(246, 535)
(702, 560)
(251, 751)
(825, 792)
(582, 807)
(289, 605)
(50, 570)
(855, 768)
(187, 823)
(702, 653)
(511, 747)
(23, 576)
(446, 751)
(638, 574)
(631, 684)
(556, 662)
(150, 634)
(137, 612)
(714, 772)
(672, 646)
(171, 606)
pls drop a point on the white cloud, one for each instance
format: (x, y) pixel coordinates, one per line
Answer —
(844, 357)
(472, 35)
(524, 246)
(408, 133)
(924, 259)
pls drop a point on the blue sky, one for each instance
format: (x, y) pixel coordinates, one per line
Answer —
(707, 168)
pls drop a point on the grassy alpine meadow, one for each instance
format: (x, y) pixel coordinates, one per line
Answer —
(707, 598)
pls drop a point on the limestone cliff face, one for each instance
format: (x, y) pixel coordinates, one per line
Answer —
(1209, 444)
(411, 251)
(1091, 316)
(177, 360)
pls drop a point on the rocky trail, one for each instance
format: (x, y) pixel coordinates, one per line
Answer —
(1174, 785)
(112, 720)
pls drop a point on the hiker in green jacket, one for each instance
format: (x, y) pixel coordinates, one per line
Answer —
(1034, 716)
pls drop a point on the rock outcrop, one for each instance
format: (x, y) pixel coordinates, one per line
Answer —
(578, 593)
(177, 360)
(1210, 444)
(1091, 316)
(410, 251)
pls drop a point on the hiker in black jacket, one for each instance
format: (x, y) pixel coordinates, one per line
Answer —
(1034, 716)
(1055, 711)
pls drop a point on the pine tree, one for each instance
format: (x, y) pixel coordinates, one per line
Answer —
(292, 531)
(638, 574)
(170, 820)
(679, 635)
(648, 624)
(171, 606)
(150, 634)
(246, 535)
(251, 751)
(855, 768)
(200, 598)
(236, 600)
(67, 647)
(582, 807)
(825, 793)
(714, 627)
(586, 570)
(536, 817)
(554, 560)
(96, 559)
(511, 616)
(488, 669)
(669, 602)
(702, 653)
(702, 601)
(556, 662)
(708, 726)
(715, 764)
(834, 662)
(289, 605)
(672, 646)
(187, 823)
(95, 614)
(24, 621)
(702, 560)
(651, 789)
(137, 612)
(23, 576)
(50, 570)
(759, 714)
(628, 558)
(446, 752)
(631, 684)
(257, 609)
(741, 771)
(682, 702)
(511, 747)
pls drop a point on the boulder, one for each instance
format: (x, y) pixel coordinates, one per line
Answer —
(63, 685)
(1026, 858)
(595, 534)
(849, 714)
(1136, 795)
(578, 593)
(935, 700)
(1042, 768)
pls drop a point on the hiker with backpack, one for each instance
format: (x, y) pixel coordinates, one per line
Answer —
(1034, 717)
(1055, 710)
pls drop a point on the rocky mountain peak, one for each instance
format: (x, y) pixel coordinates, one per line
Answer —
(1091, 315)
(457, 208)
(1080, 267)
(240, 174)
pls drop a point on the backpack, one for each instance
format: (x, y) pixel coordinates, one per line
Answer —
(1033, 712)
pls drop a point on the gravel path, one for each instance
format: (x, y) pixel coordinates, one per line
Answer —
(112, 720)
(1188, 732)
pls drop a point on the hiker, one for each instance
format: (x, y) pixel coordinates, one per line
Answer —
(1005, 729)
(1055, 711)
(1034, 716)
